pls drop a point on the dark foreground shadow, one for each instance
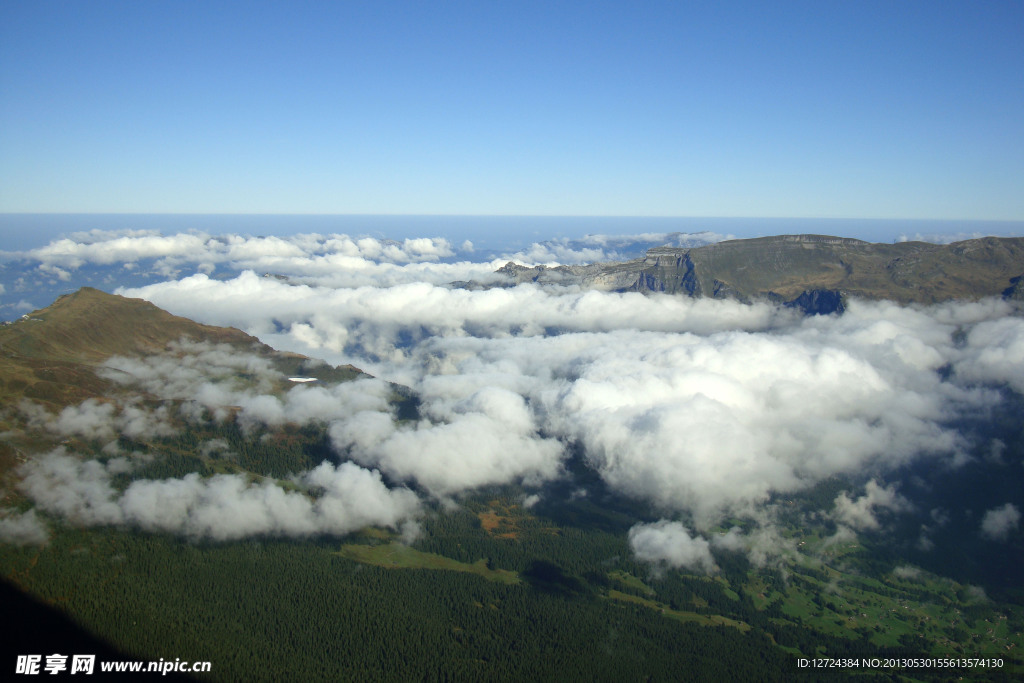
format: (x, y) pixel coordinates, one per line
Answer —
(32, 627)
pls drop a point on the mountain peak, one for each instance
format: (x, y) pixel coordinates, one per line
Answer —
(50, 355)
(90, 325)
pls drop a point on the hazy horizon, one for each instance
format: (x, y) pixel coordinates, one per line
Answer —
(25, 231)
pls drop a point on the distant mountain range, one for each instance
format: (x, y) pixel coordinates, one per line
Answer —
(815, 273)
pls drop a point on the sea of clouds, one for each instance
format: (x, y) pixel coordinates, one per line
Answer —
(703, 409)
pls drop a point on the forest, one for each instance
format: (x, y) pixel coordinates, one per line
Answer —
(508, 582)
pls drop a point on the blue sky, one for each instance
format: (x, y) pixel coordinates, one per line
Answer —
(819, 109)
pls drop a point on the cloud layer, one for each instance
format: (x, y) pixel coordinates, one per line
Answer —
(335, 500)
(702, 408)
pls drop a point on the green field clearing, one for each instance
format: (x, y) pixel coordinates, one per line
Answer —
(692, 617)
(627, 579)
(398, 556)
(846, 604)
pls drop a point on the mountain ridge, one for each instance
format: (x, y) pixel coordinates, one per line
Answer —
(90, 325)
(50, 355)
(816, 273)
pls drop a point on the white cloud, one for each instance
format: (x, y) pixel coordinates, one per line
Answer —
(907, 572)
(994, 352)
(860, 514)
(1000, 522)
(697, 405)
(215, 448)
(670, 544)
(296, 255)
(55, 271)
(844, 535)
(315, 255)
(488, 438)
(103, 247)
(77, 490)
(104, 420)
(217, 377)
(22, 528)
(223, 507)
(383, 322)
(977, 593)
(763, 545)
(714, 423)
(597, 248)
(940, 238)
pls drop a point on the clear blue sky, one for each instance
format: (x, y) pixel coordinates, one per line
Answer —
(829, 109)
